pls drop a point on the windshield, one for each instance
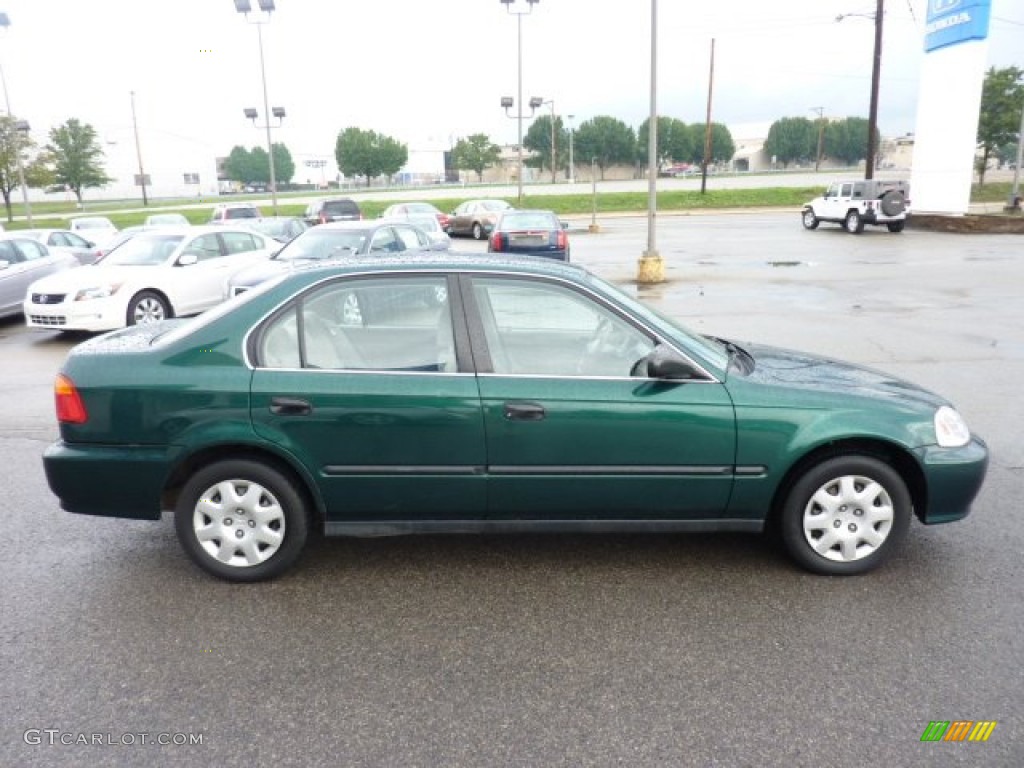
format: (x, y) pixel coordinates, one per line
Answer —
(316, 244)
(144, 250)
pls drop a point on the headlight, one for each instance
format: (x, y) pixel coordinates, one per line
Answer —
(950, 429)
(97, 292)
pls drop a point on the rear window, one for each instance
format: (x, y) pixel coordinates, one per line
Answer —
(341, 206)
(241, 213)
(529, 221)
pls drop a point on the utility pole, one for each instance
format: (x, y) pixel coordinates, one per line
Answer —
(876, 71)
(707, 123)
(821, 135)
(138, 152)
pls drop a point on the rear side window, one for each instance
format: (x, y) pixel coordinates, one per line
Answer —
(241, 213)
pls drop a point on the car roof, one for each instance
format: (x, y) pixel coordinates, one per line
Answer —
(445, 261)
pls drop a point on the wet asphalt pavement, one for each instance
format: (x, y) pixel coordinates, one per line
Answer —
(558, 650)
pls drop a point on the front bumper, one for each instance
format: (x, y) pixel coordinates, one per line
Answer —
(111, 481)
(96, 315)
(953, 477)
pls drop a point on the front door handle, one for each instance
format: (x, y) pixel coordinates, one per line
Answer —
(524, 412)
(290, 406)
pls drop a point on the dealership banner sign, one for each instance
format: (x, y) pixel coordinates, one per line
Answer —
(955, 21)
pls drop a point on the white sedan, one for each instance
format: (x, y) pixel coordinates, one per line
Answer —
(153, 276)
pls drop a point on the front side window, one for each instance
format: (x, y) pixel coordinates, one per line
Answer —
(31, 250)
(396, 323)
(385, 241)
(546, 329)
(204, 247)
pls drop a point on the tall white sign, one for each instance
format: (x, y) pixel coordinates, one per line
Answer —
(949, 100)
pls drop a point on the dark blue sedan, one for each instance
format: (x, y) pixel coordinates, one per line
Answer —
(530, 233)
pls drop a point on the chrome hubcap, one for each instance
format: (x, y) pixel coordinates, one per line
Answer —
(848, 518)
(149, 310)
(239, 523)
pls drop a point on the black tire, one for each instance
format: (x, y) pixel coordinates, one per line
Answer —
(147, 307)
(267, 517)
(853, 223)
(478, 231)
(836, 536)
(895, 226)
(809, 220)
(893, 203)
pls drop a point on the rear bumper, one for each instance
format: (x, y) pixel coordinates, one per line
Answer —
(107, 480)
(953, 477)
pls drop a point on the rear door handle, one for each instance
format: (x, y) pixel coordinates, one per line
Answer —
(524, 412)
(290, 406)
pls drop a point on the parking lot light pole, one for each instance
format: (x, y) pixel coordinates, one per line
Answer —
(244, 7)
(21, 125)
(518, 13)
(507, 102)
(651, 268)
(1013, 204)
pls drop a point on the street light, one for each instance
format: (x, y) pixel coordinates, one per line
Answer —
(21, 125)
(267, 7)
(821, 135)
(519, 24)
(507, 102)
(651, 268)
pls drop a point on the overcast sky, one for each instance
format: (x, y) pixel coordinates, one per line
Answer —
(428, 72)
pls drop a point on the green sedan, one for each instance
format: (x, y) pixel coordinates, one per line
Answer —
(458, 394)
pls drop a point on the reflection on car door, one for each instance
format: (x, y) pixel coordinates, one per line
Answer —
(570, 433)
(378, 409)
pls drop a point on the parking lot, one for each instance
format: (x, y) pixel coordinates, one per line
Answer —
(559, 650)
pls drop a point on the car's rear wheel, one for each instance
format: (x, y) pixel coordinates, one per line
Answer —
(853, 223)
(845, 515)
(147, 307)
(241, 520)
(478, 231)
(895, 226)
(809, 220)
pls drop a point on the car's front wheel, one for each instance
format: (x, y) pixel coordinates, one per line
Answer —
(478, 231)
(895, 226)
(845, 515)
(241, 520)
(810, 221)
(147, 307)
(854, 223)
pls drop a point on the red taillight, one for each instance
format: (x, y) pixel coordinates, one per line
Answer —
(562, 240)
(497, 242)
(323, 218)
(70, 408)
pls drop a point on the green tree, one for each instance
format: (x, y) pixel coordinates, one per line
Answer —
(792, 139)
(77, 157)
(1002, 98)
(475, 153)
(238, 166)
(847, 140)
(538, 141)
(368, 153)
(722, 145)
(675, 143)
(284, 165)
(15, 143)
(606, 141)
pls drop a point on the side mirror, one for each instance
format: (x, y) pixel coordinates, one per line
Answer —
(187, 260)
(665, 363)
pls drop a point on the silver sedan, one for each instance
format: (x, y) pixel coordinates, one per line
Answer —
(22, 262)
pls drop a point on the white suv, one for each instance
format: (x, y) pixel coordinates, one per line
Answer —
(856, 203)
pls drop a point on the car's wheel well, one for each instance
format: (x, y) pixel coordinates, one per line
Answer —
(184, 470)
(895, 456)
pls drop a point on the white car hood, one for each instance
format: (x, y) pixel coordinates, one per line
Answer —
(84, 277)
